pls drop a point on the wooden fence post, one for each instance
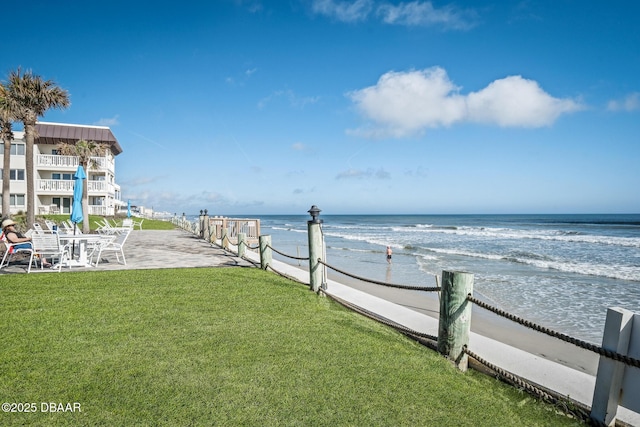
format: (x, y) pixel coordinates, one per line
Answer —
(242, 244)
(608, 390)
(455, 317)
(225, 239)
(316, 270)
(204, 233)
(265, 251)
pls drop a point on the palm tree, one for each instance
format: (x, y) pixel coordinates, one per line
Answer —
(34, 97)
(7, 116)
(85, 150)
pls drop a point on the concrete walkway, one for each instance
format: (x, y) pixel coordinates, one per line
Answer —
(145, 249)
(558, 366)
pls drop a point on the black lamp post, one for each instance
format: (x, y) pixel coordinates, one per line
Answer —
(315, 212)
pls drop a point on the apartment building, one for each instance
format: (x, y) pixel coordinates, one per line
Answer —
(53, 172)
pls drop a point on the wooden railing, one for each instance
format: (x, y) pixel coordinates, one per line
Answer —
(219, 226)
(234, 226)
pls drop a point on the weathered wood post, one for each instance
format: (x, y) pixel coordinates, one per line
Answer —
(214, 231)
(615, 384)
(316, 252)
(205, 226)
(242, 244)
(225, 239)
(265, 251)
(455, 317)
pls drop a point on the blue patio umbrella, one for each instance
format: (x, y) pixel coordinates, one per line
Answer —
(76, 209)
(128, 208)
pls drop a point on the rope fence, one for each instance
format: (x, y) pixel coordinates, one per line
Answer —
(383, 320)
(564, 403)
(281, 274)
(579, 343)
(627, 360)
(376, 282)
(288, 256)
(573, 408)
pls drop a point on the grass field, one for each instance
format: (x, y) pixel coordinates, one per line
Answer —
(147, 224)
(225, 346)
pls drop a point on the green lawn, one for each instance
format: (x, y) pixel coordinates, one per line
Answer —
(226, 346)
(147, 224)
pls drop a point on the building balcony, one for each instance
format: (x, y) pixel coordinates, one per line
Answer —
(70, 163)
(101, 210)
(65, 187)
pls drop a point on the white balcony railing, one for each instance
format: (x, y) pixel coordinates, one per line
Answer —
(54, 161)
(101, 210)
(64, 186)
(54, 186)
(100, 187)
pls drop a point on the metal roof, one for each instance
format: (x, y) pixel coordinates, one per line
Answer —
(56, 133)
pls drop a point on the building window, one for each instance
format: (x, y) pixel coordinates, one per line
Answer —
(16, 149)
(16, 174)
(63, 176)
(15, 200)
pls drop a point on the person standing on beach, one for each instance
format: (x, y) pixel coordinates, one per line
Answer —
(389, 252)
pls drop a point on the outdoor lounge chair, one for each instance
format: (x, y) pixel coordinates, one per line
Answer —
(116, 245)
(11, 250)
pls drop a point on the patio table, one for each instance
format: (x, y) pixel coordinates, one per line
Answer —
(82, 241)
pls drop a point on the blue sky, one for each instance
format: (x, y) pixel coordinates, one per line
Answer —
(252, 107)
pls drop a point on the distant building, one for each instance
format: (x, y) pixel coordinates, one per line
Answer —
(53, 173)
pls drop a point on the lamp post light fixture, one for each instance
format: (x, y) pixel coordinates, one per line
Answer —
(315, 212)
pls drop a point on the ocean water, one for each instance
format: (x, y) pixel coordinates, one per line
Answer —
(561, 271)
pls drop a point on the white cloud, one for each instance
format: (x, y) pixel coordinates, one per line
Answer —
(113, 121)
(630, 103)
(345, 11)
(360, 174)
(294, 100)
(514, 101)
(406, 103)
(418, 13)
(414, 13)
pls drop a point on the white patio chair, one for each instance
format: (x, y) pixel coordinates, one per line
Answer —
(94, 248)
(106, 227)
(48, 244)
(137, 224)
(11, 250)
(127, 223)
(116, 245)
(50, 225)
(37, 228)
